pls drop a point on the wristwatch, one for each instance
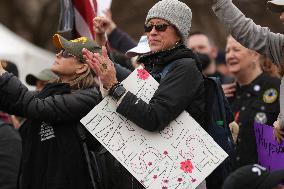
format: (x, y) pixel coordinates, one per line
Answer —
(118, 91)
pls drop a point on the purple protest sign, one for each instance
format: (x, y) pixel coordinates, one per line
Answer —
(270, 153)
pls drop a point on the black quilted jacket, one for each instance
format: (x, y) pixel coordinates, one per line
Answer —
(52, 154)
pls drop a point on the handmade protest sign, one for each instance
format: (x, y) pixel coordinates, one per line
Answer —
(270, 153)
(181, 156)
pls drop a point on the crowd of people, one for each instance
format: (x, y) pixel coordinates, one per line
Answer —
(37, 153)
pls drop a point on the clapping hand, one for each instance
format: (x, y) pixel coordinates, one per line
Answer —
(102, 66)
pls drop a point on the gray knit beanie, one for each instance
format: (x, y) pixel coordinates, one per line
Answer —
(175, 12)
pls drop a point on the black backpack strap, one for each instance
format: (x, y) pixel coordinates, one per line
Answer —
(224, 113)
(219, 93)
(82, 136)
(161, 75)
(166, 69)
(169, 67)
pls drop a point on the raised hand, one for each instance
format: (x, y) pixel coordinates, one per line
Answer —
(102, 66)
(100, 24)
(1, 68)
(100, 27)
(112, 25)
(229, 89)
(277, 132)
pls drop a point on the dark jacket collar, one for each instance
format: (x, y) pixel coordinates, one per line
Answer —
(162, 58)
(54, 89)
(252, 88)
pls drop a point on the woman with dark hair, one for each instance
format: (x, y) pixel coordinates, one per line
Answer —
(53, 156)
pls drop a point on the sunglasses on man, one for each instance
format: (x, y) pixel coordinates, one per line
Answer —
(158, 27)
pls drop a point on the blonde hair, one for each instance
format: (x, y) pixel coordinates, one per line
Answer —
(82, 81)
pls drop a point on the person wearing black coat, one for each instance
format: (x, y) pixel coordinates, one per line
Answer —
(53, 156)
(167, 27)
(10, 155)
(254, 98)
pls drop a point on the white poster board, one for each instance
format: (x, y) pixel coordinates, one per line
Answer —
(181, 156)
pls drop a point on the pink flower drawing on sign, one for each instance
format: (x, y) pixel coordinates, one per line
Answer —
(165, 152)
(155, 177)
(150, 163)
(193, 180)
(186, 166)
(180, 179)
(143, 74)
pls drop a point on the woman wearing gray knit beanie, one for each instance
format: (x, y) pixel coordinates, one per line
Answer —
(174, 66)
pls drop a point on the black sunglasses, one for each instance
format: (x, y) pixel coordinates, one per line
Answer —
(66, 54)
(158, 27)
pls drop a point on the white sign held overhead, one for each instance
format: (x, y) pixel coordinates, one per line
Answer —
(103, 5)
(180, 157)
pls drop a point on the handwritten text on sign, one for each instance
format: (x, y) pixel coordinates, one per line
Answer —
(270, 153)
(181, 156)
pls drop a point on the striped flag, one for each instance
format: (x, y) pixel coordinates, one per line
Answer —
(85, 11)
(76, 17)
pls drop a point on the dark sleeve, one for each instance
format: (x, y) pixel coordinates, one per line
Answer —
(10, 155)
(121, 72)
(121, 41)
(67, 107)
(249, 34)
(229, 113)
(174, 94)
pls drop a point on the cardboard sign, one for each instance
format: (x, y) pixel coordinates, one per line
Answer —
(270, 153)
(181, 156)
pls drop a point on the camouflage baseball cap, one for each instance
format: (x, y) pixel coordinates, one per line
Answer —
(75, 46)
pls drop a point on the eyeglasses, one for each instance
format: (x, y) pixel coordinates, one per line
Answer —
(158, 27)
